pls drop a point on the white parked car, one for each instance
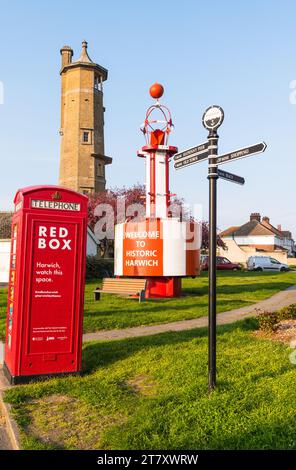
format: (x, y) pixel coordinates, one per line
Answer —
(265, 263)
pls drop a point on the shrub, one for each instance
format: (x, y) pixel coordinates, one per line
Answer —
(287, 313)
(99, 267)
(268, 320)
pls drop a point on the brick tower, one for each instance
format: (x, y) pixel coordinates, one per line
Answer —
(83, 159)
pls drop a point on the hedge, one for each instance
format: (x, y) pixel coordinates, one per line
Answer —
(99, 267)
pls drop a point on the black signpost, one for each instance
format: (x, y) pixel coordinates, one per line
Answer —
(212, 120)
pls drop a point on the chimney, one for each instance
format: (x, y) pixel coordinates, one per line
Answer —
(255, 216)
(67, 54)
(279, 227)
(266, 219)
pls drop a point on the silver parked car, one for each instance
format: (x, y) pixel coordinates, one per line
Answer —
(265, 263)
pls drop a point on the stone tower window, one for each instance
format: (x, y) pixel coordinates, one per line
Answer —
(100, 169)
(85, 190)
(86, 136)
(98, 84)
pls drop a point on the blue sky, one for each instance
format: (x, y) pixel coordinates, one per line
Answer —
(240, 55)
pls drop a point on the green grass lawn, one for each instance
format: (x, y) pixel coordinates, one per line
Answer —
(151, 393)
(234, 290)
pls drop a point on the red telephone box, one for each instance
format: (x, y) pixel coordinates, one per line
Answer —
(46, 284)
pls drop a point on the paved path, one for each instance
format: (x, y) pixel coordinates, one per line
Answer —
(6, 442)
(277, 301)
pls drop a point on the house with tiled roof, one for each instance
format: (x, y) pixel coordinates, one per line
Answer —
(257, 236)
(5, 234)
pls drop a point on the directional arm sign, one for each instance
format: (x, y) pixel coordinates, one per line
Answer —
(189, 161)
(202, 148)
(200, 153)
(241, 153)
(192, 155)
(230, 177)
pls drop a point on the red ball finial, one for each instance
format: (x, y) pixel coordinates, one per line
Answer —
(156, 90)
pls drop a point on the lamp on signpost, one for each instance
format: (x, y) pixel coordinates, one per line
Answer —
(212, 119)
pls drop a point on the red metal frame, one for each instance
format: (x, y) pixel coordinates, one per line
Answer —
(159, 287)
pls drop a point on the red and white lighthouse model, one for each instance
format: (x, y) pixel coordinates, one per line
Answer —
(160, 247)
